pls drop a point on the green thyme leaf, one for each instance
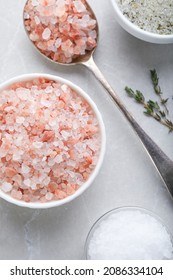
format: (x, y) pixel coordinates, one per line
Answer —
(157, 88)
(130, 92)
(164, 101)
(139, 97)
(152, 108)
(162, 114)
(157, 117)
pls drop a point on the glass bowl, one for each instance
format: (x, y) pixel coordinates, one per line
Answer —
(129, 233)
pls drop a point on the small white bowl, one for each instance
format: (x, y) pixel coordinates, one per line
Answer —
(39, 205)
(138, 32)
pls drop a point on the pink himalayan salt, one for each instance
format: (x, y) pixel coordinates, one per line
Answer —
(61, 30)
(49, 140)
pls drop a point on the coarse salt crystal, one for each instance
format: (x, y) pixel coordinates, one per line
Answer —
(25, 169)
(37, 144)
(49, 196)
(16, 194)
(60, 8)
(58, 159)
(27, 183)
(20, 120)
(58, 43)
(65, 134)
(56, 144)
(52, 122)
(46, 181)
(33, 186)
(51, 163)
(45, 103)
(37, 20)
(6, 187)
(35, 2)
(46, 34)
(80, 7)
(49, 89)
(25, 15)
(16, 156)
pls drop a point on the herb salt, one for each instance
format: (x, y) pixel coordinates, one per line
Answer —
(154, 16)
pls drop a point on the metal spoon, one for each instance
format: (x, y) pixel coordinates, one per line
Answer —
(162, 162)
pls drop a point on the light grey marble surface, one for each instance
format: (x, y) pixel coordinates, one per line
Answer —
(127, 176)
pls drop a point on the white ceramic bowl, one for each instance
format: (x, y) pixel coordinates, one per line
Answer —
(138, 32)
(39, 205)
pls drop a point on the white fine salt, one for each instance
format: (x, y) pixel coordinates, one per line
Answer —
(130, 234)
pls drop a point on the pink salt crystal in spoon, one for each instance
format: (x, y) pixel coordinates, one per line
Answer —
(66, 32)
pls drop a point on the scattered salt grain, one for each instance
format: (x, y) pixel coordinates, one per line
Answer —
(38, 158)
(61, 30)
(130, 235)
(151, 15)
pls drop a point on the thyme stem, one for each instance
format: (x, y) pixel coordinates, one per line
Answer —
(151, 107)
(157, 89)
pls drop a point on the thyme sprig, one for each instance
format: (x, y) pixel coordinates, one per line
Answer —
(152, 108)
(157, 89)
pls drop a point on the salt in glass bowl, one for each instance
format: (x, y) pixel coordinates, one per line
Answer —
(137, 31)
(88, 183)
(95, 235)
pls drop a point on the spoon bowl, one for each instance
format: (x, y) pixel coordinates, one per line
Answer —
(162, 162)
(27, 16)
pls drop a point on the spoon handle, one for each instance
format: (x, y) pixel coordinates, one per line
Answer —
(162, 162)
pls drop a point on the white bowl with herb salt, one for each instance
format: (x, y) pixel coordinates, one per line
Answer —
(129, 233)
(148, 20)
